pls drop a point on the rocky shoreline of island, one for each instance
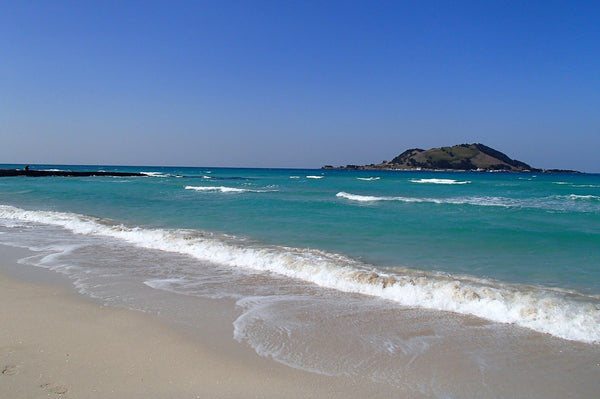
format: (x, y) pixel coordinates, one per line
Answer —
(474, 157)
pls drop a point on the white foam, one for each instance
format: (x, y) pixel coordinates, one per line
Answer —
(563, 183)
(571, 315)
(481, 201)
(561, 203)
(315, 177)
(439, 181)
(576, 197)
(165, 284)
(224, 189)
(368, 178)
(154, 174)
(363, 198)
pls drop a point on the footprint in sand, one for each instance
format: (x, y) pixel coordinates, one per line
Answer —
(54, 388)
(10, 370)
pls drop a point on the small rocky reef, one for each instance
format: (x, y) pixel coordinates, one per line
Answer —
(64, 173)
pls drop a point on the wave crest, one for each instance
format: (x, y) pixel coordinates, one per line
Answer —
(224, 189)
(561, 203)
(566, 314)
(576, 197)
(368, 178)
(439, 181)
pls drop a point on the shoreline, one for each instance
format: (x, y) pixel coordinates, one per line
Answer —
(383, 169)
(62, 344)
(58, 343)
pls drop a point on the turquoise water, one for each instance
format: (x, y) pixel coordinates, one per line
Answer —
(302, 250)
(518, 228)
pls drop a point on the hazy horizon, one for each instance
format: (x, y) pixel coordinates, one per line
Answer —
(297, 85)
(238, 167)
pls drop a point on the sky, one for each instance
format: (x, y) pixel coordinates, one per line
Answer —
(297, 83)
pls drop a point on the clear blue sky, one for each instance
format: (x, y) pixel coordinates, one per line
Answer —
(297, 83)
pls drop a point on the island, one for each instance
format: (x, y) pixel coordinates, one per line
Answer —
(462, 157)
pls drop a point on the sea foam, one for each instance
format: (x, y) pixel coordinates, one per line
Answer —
(566, 314)
(483, 201)
(224, 189)
(561, 203)
(576, 197)
(155, 174)
(439, 181)
(368, 178)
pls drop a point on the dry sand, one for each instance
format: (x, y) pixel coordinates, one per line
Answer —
(54, 343)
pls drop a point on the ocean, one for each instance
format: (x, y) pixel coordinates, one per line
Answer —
(444, 284)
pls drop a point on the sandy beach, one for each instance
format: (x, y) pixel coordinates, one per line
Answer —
(55, 343)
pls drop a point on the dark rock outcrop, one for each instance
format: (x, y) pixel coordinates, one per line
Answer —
(40, 173)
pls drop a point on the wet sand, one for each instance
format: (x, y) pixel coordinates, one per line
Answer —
(55, 343)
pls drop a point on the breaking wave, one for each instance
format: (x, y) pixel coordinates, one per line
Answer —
(563, 183)
(565, 314)
(484, 201)
(576, 197)
(368, 178)
(224, 189)
(439, 181)
(561, 203)
(155, 174)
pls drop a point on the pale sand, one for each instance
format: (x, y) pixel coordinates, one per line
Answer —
(54, 343)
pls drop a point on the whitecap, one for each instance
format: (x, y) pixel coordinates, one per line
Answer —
(222, 189)
(155, 174)
(481, 201)
(369, 198)
(576, 197)
(439, 181)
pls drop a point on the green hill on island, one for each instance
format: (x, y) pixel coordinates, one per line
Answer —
(467, 157)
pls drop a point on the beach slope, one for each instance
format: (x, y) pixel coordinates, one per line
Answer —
(54, 343)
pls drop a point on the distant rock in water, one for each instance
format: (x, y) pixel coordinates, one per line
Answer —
(467, 157)
(64, 173)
